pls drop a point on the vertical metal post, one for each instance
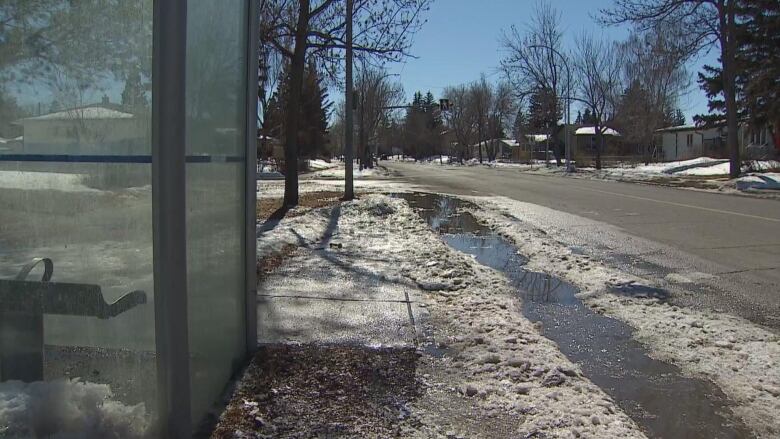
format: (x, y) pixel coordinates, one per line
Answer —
(169, 218)
(349, 190)
(250, 231)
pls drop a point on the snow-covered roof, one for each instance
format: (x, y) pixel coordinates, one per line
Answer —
(590, 131)
(89, 112)
(688, 127)
(536, 137)
(508, 142)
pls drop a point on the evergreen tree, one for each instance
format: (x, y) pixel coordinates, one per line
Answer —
(9, 113)
(520, 126)
(133, 95)
(757, 65)
(312, 115)
(578, 120)
(759, 60)
(544, 110)
(587, 118)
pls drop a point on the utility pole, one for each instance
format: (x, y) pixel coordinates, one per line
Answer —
(349, 191)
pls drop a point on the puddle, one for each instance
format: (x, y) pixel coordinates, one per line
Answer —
(640, 291)
(655, 394)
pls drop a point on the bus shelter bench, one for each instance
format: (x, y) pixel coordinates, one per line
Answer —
(23, 304)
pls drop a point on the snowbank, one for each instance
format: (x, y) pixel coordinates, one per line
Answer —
(318, 164)
(57, 181)
(759, 181)
(65, 409)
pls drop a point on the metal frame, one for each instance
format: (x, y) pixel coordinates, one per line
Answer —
(250, 231)
(169, 218)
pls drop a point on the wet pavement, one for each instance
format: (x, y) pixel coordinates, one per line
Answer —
(655, 394)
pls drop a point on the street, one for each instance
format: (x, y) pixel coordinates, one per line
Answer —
(713, 250)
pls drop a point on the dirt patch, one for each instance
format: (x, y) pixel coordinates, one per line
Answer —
(296, 391)
(308, 200)
(267, 264)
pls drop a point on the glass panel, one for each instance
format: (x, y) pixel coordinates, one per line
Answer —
(216, 85)
(77, 331)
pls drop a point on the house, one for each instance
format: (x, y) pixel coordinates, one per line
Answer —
(689, 141)
(584, 142)
(501, 149)
(685, 142)
(96, 129)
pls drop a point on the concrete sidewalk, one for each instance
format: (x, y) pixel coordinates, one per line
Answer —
(326, 293)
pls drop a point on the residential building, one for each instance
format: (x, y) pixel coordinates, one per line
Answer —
(685, 142)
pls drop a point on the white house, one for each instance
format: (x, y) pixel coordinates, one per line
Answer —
(685, 142)
(689, 141)
(93, 129)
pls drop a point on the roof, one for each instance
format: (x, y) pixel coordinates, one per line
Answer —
(508, 142)
(94, 112)
(536, 137)
(678, 128)
(590, 131)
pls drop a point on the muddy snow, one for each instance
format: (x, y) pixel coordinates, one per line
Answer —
(743, 359)
(485, 370)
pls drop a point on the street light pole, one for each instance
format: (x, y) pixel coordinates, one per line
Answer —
(349, 191)
(567, 145)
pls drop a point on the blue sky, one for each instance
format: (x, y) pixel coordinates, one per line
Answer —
(461, 40)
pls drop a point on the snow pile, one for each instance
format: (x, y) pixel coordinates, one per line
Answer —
(339, 173)
(739, 356)
(759, 181)
(319, 164)
(300, 231)
(65, 409)
(57, 181)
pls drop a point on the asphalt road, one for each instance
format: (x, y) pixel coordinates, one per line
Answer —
(730, 243)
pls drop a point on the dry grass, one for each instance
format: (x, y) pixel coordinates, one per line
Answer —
(305, 391)
(312, 200)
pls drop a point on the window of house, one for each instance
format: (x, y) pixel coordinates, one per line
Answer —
(689, 140)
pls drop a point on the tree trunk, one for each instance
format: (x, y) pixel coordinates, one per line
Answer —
(296, 86)
(599, 137)
(556, 146)
(728, 51)
(349, 189)
(479, 145)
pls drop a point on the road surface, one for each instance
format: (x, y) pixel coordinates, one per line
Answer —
(730, 243)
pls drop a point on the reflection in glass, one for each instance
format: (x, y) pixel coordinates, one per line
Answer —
(216, 66)
(77, 330)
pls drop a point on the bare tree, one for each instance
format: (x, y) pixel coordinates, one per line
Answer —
(501, 111)
(481, 97)
(654, 76)
(461, 118)
(704, 24)
(302, 28)
(375, 93)
(597, 66)
(535, 59)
